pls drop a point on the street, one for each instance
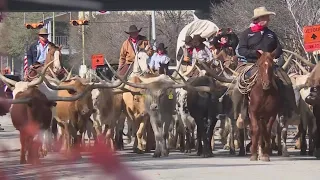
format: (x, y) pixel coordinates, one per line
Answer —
(177, 166)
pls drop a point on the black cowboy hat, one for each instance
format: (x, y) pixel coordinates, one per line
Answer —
(188, 40)
(161, 47)
(197, 38)
(133, 29)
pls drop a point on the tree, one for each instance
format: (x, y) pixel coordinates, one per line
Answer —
(15, 35)
(168, 26)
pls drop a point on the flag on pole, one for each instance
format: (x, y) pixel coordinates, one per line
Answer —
(25, 65)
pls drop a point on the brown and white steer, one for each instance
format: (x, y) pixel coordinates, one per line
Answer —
(74, 115)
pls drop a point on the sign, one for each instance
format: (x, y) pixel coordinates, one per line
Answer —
(97, 59)
(311, 35)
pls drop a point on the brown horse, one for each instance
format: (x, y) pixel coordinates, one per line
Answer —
(56, 70)
(263, 107)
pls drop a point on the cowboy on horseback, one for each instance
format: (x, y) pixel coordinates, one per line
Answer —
(185, 53)
(159, 62)
(38, 50)
(255, 40)
(225, 39)
(223, 46)
(130, 47)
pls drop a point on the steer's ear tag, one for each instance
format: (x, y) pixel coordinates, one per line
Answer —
(170, 96)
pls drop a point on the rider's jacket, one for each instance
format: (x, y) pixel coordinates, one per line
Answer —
(265, 40)
(129, 49)
(37, 53)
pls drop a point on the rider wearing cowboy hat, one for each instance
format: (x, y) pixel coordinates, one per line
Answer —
(258, 38)
(160, 60)
(38, 50)
(200, 52)
(131, 46)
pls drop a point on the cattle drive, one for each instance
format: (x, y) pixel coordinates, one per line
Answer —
(219, 78)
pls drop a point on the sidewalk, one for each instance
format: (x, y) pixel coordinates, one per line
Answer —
(9, 137)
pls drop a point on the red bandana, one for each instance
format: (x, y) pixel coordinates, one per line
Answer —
(190, 50)
(256, 28)
(43, 43)
(198, 49)
(134, 40)
(160, 53)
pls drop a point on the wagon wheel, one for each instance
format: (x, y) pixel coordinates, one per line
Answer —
(290, 58)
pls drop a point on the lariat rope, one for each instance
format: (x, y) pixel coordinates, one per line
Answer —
(245, 85)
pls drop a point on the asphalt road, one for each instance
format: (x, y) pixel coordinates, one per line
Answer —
(177, 166)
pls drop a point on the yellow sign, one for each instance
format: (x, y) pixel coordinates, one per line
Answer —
(170, 96)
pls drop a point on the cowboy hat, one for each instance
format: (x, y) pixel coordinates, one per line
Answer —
(187, 40)
(133, 29)
(198, 38)
(261, 11)
(43, 31)
(161, 47)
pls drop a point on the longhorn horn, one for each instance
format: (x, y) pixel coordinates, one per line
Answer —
(186, 84)
(214, 75)
(116, 83)
(304, 71)
(308, 63)
(287, 63)
(177, 67)
(40, 79)
(135, 85)
(70, 73)
(73, 98)
(7, 81)
(18, 101)
(53, 74)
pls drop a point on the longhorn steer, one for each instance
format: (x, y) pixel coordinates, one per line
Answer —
(108, 109)
(136, 112)
(185, 121)
(30, 113)
(74, 115)
(203, 108)
(313, 98)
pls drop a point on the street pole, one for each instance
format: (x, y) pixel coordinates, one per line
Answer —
(153, 19)
(53, 28)
(81, 17)
(83, 58)
(12, 66)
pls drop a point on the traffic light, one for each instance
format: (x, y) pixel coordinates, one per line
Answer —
(34, 25)
(79, 22)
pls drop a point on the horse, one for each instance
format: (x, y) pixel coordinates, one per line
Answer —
(56, 69)
(263, 106)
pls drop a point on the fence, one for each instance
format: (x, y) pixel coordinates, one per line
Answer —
(62, 40)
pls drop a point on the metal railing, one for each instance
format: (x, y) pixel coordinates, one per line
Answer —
(62, 41)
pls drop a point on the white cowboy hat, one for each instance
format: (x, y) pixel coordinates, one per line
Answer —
(261, 11)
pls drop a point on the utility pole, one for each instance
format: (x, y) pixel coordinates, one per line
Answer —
(153, 19)
(81, 17)
(12, 66)
(53, 28)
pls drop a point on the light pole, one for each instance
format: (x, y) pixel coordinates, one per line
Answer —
(53, 28)
(153, 22)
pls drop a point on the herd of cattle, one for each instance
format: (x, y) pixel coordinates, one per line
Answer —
(160, 110)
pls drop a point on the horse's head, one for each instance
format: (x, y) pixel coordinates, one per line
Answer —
(140, 65)
(54, 54)
(265, 65)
